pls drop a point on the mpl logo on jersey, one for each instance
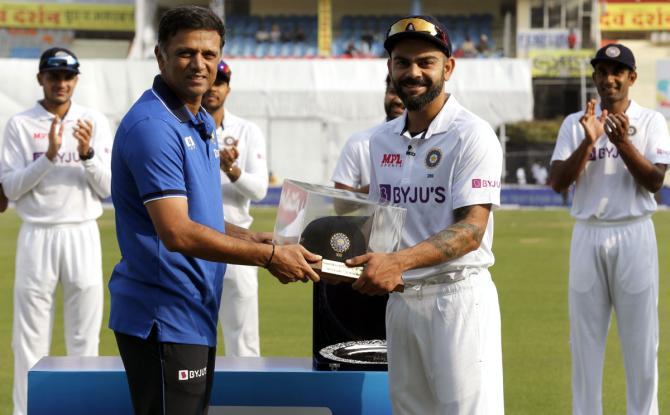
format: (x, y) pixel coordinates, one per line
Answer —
(484, 183)
(40, 136)
(191, 374)
(412, 194)
(391, 160)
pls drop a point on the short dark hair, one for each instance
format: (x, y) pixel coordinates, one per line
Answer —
(188, 18)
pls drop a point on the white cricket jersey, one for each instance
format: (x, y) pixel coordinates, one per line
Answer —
(606, 190)
(253, 181)
(353, 165)
(66, 190)
(457, 163)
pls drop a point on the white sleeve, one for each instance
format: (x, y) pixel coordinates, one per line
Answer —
(253, 181)
(98, 169)
(658, 141)
(18, 175)
(373, 192)
(565, 144)
(347, 170)
(478, 171)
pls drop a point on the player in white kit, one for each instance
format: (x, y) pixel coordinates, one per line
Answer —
(352, 171)
(56, 169)
(443, 164)
(244, 177)
(616, 153)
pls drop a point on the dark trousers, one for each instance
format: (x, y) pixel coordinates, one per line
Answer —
(167, 378)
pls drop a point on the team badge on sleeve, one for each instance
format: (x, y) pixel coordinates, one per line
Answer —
(433, 158)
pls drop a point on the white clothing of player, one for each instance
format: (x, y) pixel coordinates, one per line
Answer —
(614, 263)
(353, 165)
(59, 241)
(443, 332)
(239, 303)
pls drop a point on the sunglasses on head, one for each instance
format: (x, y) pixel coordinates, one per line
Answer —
(58, 61)
(416, 24)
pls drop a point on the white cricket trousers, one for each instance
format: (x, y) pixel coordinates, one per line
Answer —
(239, 311)
(444, 348)
(614, 266)
(46, 255)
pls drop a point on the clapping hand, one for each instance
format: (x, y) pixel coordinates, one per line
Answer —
(593, 126)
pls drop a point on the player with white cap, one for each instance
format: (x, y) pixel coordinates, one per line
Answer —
(616, 153)
(56, 169)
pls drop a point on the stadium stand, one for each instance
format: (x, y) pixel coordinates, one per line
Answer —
(359, 36)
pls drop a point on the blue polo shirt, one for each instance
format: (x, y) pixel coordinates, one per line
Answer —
(161, 150)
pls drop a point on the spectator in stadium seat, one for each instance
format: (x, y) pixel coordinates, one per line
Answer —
(367, 39)
(275, 33)
(351, 50)
(468, 48)
(262, 35)
(299, 34)
(483, 45)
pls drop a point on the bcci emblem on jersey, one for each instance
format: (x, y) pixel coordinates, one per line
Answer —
(433, 158)
(340, 243)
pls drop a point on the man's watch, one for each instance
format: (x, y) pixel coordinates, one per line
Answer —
(89, 155)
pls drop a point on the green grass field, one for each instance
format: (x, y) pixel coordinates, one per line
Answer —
(531, 248)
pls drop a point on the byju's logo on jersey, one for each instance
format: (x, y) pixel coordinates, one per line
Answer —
(412, 194)
(191, 374)
(483, 183)
(433, 158)
(190, 144)
(603, 153)
(391, 160)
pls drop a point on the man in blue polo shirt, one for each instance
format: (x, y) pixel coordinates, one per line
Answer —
(166, 290)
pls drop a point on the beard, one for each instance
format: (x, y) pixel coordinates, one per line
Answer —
(418, 102)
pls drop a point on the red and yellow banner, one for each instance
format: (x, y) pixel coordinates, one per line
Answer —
(634, 16)
(107, 17)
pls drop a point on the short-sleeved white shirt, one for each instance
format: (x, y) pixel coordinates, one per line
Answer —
(353, 165)
(606, 190)
(457, 163)
(62, 193)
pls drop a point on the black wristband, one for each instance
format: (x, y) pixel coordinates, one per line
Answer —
(267, 264)
(89, 155)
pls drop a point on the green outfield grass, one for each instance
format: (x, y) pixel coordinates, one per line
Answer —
(531, 248)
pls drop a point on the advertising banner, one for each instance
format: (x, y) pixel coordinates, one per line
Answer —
(88, 16)
(634, 16)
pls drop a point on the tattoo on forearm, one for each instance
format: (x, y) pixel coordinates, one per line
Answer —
(459, 238)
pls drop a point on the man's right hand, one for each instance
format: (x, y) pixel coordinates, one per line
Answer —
(593, 126)
(291, 263)
(55, 137)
